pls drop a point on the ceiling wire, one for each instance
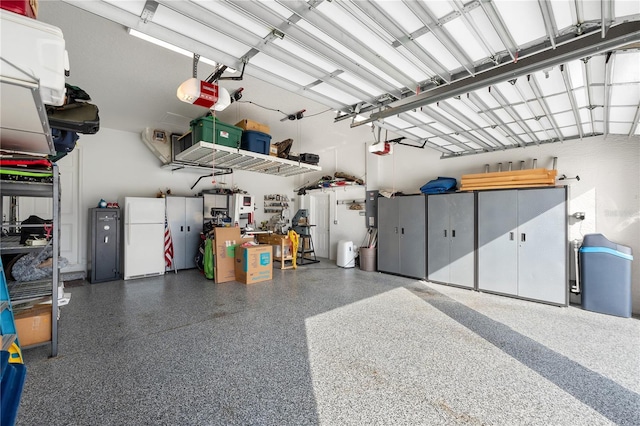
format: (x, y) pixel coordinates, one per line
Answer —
(318, 113)
(282, 112)
(264, 107)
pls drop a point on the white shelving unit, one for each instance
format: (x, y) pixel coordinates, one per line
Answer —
(203, 154)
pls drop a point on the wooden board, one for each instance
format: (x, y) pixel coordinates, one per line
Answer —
(541, 181)
(505, 186)
(507, 173)
(512, 178)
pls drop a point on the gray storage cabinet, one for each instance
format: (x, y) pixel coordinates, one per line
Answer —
(104, 247)
(522, 243)
(185, 218)
(451, 239)
(402, 235)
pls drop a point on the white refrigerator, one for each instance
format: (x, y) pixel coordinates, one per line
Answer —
(143, 237)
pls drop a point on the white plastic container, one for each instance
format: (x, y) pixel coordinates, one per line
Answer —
(346, 254)
(34, 51)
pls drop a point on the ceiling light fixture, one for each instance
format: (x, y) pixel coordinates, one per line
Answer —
(172, 47)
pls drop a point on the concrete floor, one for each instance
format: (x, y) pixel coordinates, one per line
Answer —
(331, 346)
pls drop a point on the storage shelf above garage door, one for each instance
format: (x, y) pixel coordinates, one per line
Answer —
(203, 154)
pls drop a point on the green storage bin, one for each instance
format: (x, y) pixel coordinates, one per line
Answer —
(226, 134)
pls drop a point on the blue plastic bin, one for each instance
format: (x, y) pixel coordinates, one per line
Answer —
(605, 276)
(255, 141)
(12, 378)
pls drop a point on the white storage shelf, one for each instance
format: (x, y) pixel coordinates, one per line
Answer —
(203, 154)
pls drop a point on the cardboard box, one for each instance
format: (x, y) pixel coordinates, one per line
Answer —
(273, 150)
(254, 264)
(34, 325)
(247, 124)
(224, 245)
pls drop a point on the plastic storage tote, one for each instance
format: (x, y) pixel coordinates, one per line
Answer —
(34, 52)
(605, 274)
(255, 142)
(202, 129)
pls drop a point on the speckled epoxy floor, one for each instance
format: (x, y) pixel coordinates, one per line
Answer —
(330, 346)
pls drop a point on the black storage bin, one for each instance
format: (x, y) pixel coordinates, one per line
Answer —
(310, 158)
(605, 276)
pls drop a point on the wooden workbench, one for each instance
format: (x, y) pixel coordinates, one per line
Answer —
(283, 243)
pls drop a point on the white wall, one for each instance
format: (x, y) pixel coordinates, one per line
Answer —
(608, 190)
(115, 164)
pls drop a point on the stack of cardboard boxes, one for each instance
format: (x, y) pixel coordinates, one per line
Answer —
(248, 265)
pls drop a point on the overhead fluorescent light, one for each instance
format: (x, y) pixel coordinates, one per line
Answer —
(169, 46)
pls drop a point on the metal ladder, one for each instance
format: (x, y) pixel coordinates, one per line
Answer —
(7, 323)
(12, 369)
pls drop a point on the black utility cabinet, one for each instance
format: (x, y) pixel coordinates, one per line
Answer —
(104, 247)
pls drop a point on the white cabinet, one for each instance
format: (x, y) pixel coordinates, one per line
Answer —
(451, 239)
(522, 243)
(185, 217)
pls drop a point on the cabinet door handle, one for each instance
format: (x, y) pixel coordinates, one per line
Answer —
(106, 239)
(396, 229)
(188, 229)
(453, 233)
(511, 236)
(523, 237)
(445, 233)
(182, 229)
(402, 231)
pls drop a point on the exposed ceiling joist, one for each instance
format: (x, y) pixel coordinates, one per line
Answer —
(499, 97)
(572, 98)
(455, 113)
(620, 35)
(589, 88)
(501, 125)
(549, 21)
(533, 83)
(368, 58)
(608, 75)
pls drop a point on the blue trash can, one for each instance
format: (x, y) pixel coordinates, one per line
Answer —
(605, 274)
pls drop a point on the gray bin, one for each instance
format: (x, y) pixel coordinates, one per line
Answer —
(605, 276)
